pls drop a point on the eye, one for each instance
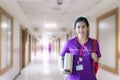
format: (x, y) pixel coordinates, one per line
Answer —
(79, 27)
(83, 26)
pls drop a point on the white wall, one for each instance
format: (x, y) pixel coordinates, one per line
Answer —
(13, 8)
(63, 41)
(105, 75)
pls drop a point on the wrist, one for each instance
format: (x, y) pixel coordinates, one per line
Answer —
(96, 60)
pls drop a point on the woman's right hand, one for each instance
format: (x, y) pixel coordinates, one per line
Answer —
(94, 57)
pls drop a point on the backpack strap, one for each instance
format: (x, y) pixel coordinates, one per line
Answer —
(94, 48)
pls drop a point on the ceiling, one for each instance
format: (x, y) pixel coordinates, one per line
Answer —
(40, 12)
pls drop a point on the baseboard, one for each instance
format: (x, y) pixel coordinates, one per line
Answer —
(17, 76)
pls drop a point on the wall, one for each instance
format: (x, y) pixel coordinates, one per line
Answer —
(19, 18)
(62, 41)
(26, 49)
(9, 75)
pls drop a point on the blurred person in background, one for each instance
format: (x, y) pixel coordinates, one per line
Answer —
(49, 48)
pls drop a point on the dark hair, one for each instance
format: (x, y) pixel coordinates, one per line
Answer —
(82, 19)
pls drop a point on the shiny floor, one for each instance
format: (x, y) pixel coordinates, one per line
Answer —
(42, 67)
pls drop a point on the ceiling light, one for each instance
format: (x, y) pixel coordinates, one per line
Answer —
(51, 25)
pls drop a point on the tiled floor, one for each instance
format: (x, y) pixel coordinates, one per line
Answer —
(42, 67)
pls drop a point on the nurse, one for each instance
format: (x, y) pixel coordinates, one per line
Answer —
(49, 48)
(86, 52)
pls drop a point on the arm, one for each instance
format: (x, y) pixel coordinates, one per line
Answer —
(65, 49)
(96, 55)
(96, 51)
(62, 54)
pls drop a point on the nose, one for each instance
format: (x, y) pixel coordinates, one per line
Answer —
(80, 29)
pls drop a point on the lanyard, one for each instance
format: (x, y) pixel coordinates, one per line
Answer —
(81, 50)
(82, 46)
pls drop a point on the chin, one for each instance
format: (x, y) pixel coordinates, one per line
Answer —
(81, 35)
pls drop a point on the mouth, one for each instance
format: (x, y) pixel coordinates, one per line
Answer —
(81, 32)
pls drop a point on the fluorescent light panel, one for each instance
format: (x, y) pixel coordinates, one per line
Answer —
(50, 25)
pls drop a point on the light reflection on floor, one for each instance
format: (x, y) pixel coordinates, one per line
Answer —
(43, 66)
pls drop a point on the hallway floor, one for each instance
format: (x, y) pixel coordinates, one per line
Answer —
(45, 67)
(42, 67)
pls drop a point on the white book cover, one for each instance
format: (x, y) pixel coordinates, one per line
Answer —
(68, 62)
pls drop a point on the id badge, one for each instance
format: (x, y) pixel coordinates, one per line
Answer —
(80, 59)
(79, 67)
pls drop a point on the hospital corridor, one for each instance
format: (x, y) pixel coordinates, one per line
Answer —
(59, 39)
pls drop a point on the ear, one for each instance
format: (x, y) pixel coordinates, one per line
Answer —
(88, 27)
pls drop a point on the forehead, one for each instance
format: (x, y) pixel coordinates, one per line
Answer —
(80, 23)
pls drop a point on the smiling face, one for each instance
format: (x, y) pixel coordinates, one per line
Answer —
(81, 29)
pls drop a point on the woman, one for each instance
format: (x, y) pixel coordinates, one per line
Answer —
(85, 50)
(49, 48)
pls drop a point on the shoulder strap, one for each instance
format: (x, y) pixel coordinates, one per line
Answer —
(94, 45)
(94, 48)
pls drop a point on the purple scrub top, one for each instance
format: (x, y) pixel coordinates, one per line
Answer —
(49, 48)
(74, 47)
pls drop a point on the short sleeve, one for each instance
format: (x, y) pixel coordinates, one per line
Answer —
(65, 49)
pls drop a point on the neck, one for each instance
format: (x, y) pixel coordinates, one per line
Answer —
(82, 39)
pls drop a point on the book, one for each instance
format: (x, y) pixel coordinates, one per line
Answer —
(68, 62)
